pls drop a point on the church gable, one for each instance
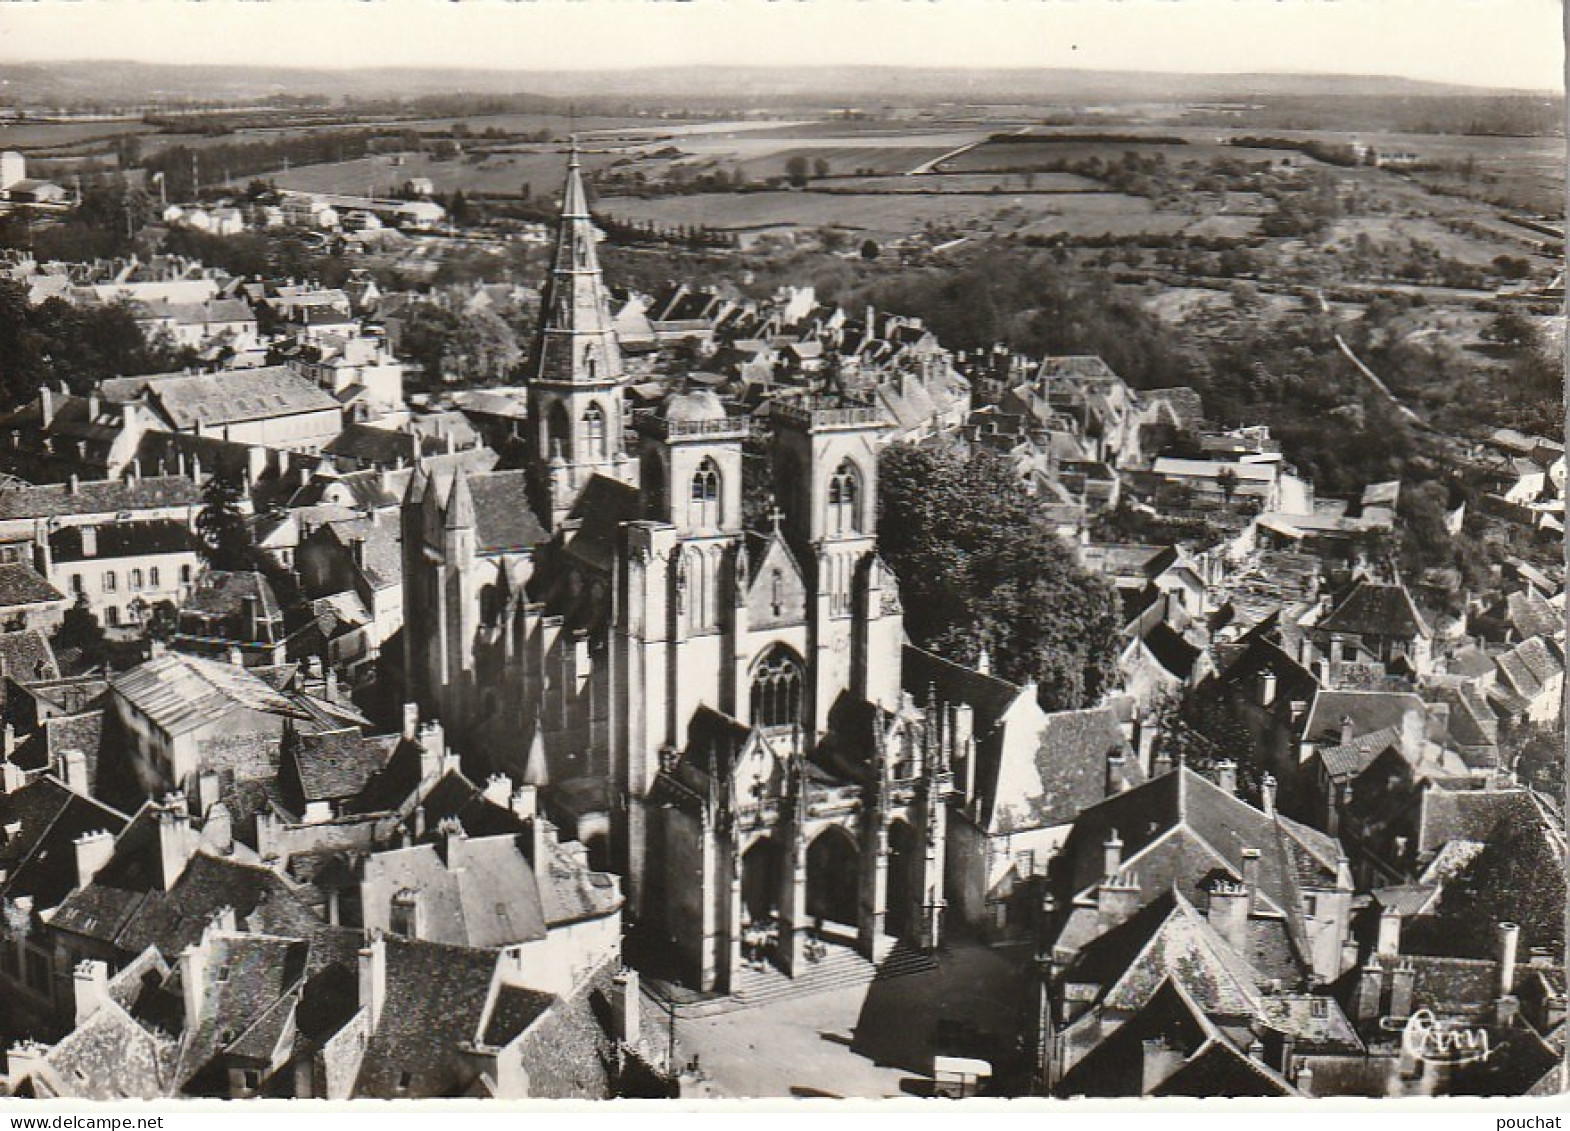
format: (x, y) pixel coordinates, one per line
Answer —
(776, 592)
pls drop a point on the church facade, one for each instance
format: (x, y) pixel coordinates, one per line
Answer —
(717, 710)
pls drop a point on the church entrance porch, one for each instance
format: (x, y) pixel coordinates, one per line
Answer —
(903, 921)
(834, 881)
(762, 879)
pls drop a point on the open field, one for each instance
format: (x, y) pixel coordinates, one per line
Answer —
(542, 170)
(25, 136)
(969, 182)
(894, 214)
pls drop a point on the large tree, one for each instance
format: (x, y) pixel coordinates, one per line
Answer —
(980, 566)
(220, 524)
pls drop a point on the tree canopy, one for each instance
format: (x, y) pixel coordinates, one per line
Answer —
(980, 567)
(221, 526)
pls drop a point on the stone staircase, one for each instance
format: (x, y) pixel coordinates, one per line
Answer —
(840, 968)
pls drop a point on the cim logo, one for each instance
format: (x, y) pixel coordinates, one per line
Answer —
(1437, 1042)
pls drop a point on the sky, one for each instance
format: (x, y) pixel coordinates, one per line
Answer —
(1508, 43)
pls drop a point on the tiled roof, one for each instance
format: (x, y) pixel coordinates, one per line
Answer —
(1530, 615)
(221, 593)
(26, 656)
(108, 1057)
(435, 998)
(335, 764)
(504, 522)
(1347, 760)
(21, 584)
(513, 1011)
(1067, 772)
(1449, 815)
(181, 693)
(1372, 609)
(1369, 711)
(1531, 666)
(1168, 938)
(1220, 1070)
(109, 496)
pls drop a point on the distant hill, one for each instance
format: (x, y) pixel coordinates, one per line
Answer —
(127, 82)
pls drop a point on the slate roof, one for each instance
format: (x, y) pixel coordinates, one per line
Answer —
(21, 584)
(1180, 831)
(603, 506)
(476, 892)
(504, 522)
(182, 693)
(235, 396)
(39, 824)
(108, 496)
(1372, 609)
(124, 540)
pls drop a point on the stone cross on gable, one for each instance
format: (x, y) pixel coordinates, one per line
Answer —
(775, 515)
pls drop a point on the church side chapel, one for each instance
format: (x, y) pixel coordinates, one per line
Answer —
(715, 709)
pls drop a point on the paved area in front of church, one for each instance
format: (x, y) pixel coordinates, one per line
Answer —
(870, 1041)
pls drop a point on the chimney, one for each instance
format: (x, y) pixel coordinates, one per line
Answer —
(433, 750)
(1402, 981)
(249, 613)
(175, 842)
(193, 979)
(1112, 859)
(46, 404)
(1226, 775)
(234, 657)
(1370, 985)
(1389, 943)
(1115, 780)
(12, 776)
(1305, 1078)
(90, 987)
(984, 662)
(92, 406)
(1347, 726)
(411, 721)
(1117, 899)
(1251, 875)
(330, 685)
(1227, 913)
(525, 802)
(1267, 795)
(72, 770)
(1509, 940)
(93, 851)
(373, 978)
(72, 486)
(626, 1008)
(1267, 688)
(89, 533)
(498, 790)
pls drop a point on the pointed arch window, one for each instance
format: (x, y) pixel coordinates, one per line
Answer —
(594, 432)
(703, 510)
(844, 515)
(777, 689)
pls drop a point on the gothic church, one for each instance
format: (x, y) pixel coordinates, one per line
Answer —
(716, 709)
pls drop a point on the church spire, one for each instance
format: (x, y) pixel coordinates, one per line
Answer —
(576, 343)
